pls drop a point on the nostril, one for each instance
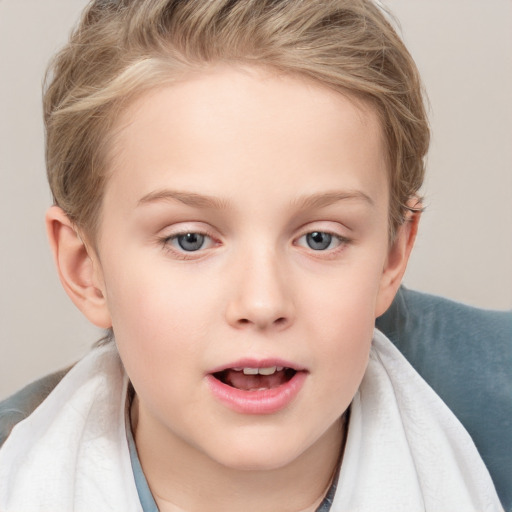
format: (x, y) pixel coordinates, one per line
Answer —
(281, 321)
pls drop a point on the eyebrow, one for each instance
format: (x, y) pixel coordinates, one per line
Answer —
(318, 200)
(323, 199)
(188, 198)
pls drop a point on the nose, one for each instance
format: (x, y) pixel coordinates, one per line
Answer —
(261, 295)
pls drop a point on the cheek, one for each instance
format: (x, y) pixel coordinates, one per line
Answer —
(342, 325)
(160, 337)
(150, 299)
(157, 319)
(343, 345)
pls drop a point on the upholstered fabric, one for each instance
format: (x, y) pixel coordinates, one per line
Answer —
(465, 354)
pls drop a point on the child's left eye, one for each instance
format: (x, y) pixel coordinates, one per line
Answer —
(320, 241)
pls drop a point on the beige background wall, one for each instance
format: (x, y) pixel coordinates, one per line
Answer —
(464, 251)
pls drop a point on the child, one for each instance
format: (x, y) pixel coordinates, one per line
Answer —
(236, 198)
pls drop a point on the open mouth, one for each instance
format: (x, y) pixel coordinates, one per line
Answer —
(257, 387)
(255, 379)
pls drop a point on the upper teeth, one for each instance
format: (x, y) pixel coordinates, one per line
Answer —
(262, 371)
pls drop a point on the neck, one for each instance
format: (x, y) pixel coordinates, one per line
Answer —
(181, 478)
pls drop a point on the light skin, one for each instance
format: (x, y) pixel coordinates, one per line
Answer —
(287, 182)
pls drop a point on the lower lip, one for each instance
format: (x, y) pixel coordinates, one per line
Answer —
(267, 401)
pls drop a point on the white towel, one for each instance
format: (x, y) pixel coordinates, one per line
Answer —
(71, 453)
(405, 450)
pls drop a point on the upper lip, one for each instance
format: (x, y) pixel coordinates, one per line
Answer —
(258, 363)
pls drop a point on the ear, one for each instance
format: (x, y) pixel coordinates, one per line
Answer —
(396, 262)
(78, 267)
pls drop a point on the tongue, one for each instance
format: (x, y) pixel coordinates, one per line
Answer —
(254, 382)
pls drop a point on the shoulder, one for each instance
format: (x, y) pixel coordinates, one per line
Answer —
(20, 405)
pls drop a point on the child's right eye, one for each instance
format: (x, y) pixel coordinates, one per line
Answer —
(189, 242)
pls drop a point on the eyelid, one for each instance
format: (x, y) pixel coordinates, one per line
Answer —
(323, 227)
(340, 238)
(183, 229)
(178, 235)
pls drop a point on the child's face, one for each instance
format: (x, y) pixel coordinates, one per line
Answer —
(245, 224)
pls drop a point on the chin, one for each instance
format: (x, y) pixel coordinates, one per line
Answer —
(260, 453)
(260, 462)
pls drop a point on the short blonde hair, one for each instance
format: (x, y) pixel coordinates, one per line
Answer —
(121, 48)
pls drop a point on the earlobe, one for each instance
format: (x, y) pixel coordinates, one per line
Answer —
(78, 268)
(396, 262)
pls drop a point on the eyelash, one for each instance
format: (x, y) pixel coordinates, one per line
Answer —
(166, 242)
(342, 242)
(183, 254)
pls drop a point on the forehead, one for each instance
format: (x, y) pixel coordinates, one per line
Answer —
(240, 124)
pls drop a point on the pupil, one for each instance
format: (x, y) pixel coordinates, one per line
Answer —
(318, 240)
(191, 241)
